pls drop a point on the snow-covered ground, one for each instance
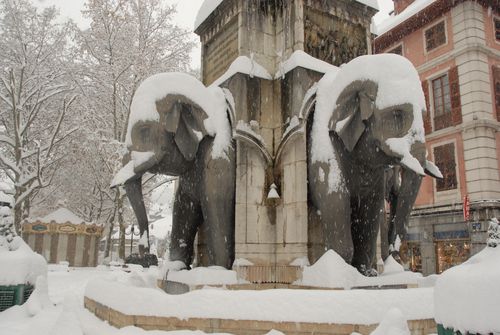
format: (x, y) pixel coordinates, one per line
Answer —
(66, 315)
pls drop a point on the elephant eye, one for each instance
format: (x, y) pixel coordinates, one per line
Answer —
(394, 123)
(145, 134)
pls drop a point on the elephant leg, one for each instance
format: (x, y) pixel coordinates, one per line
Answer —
(368, 211)
(218, 205)
(187, 217)
(335, 218)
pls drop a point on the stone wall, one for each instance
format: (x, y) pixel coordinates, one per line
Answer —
(243, 327)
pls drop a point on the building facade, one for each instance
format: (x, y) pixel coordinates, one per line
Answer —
(455, 47)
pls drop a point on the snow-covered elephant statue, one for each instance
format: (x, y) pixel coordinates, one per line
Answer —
(367, 118)
(179, 127)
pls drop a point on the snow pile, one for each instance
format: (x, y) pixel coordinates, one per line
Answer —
(63, 266)
(207, 7)
(62, 215)
(330, 271)
(301, 59)
(394, 323)
(39, 299)
(212, 275)
(241, 262)
(467, 296)
(391, 266)
(398, 83)
(409, 11)
(211, 100)
(20, 265)
(352, 306)
(244, 65)
(333, 272)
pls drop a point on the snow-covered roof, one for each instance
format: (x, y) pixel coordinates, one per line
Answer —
(62, 215)
(208, 6)
(245, 65)
(409, 11)
(301, 59)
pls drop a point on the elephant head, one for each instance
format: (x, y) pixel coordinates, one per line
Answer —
(393, 131)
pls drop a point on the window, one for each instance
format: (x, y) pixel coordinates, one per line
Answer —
(435, 36)
(441, 102)
(444, 156)
(496, 83)
(496, 21)
(397, 50)
(441, 95)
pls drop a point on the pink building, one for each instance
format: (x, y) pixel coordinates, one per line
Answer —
(455, 46)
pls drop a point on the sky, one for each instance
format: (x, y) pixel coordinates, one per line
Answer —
(186, 14)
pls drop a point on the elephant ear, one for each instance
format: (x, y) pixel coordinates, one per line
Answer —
(184, 118)
(355, 104)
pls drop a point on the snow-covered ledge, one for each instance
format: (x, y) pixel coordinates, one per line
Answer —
(219, 310)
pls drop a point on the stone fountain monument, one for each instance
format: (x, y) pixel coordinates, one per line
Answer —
(307, 143)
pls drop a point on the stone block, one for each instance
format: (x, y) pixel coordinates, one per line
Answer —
(241, 223)
(301, 181)
(483, 173)
(288, 183)
(120, 320)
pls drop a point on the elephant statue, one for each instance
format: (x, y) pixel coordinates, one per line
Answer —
(179, 127)
(366, 119)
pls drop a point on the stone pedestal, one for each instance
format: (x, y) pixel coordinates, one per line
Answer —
(270, 113)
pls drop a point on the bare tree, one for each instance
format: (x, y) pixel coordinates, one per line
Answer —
(35, 98)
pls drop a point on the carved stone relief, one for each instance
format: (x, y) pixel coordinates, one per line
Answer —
(333, 39)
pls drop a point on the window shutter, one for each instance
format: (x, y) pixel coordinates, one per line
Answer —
(427, 114)
(456, 105)
(496, 87)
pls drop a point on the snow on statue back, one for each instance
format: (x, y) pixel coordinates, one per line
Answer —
(397, 83)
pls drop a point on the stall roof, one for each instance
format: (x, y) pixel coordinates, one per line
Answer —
(62, 215)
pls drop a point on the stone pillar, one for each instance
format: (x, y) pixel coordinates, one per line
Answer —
(479, 135)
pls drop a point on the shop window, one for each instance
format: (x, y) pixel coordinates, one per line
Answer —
(496, 83)
(435, 36)
(441, 102)
(450, 253)
(497, 28)
(444, 157)
(397, 50)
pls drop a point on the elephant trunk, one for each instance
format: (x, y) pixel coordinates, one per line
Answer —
(134, 193)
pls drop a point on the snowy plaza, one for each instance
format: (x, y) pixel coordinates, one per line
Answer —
(277, 167)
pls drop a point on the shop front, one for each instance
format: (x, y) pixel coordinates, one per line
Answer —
(452, 248)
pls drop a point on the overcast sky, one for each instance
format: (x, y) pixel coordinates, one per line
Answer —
(186, 14)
